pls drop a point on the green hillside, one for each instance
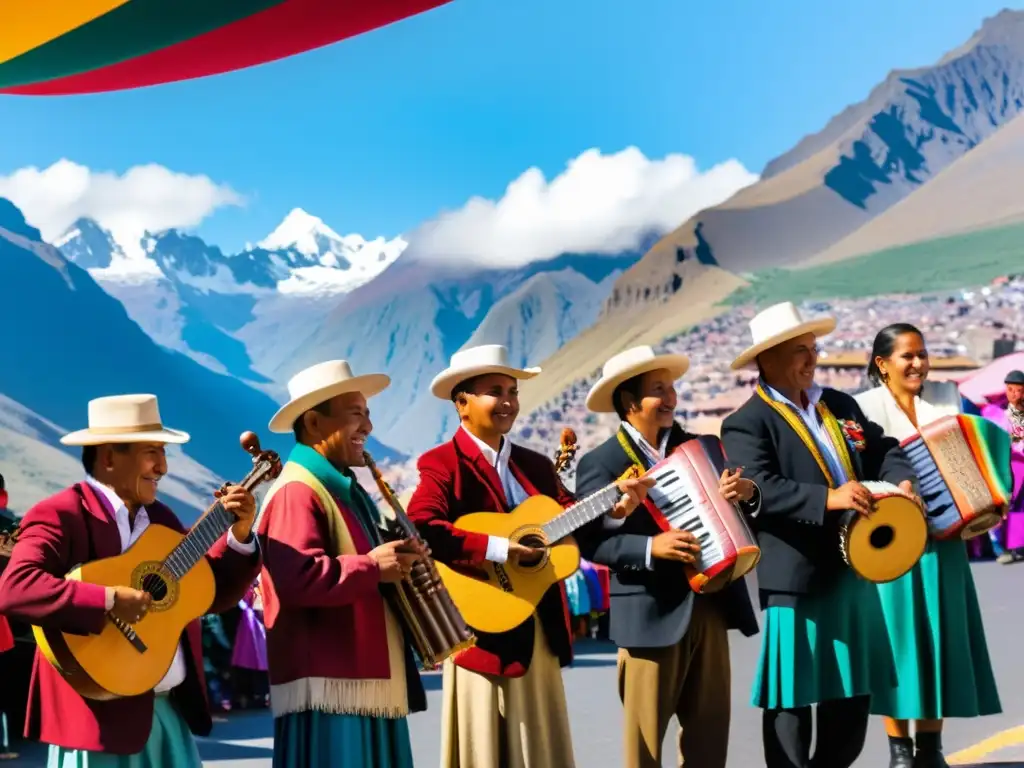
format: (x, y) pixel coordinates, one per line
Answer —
(942, 264)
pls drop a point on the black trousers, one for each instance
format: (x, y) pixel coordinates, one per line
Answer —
(842, 726)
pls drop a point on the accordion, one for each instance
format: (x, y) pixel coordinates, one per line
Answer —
(685, 497)
(964, 473)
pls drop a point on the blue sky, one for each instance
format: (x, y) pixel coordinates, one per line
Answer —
(381, 132)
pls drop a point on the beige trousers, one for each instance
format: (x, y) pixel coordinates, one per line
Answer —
(690, 680)
(507, 722)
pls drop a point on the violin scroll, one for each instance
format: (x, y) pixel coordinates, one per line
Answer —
(568, 445)
(250, 443)
(267, 465)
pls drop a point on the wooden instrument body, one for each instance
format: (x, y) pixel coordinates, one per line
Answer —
(885, 545)
(964, 466)
(108, 665)
(421, 601)
(496, 597)
(729, 548)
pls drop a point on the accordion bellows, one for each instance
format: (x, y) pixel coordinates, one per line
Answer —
(964, 472)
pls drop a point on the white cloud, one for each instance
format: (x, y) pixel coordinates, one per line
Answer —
(598, 204)
(145, 197)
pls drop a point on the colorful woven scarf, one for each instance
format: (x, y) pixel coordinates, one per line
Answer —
(363, 696)
(835, 432)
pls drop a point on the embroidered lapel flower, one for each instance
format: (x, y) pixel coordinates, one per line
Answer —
(854, 434)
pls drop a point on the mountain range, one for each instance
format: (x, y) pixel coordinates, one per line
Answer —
(930, 151)
(305, 294)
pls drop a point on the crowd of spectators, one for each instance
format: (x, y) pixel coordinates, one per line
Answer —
(961, 328)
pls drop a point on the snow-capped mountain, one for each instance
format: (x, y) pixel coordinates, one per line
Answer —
(75, 342)
(874, 154)
(410, 321)
(304, 294)
(191, 297)
(345, 262)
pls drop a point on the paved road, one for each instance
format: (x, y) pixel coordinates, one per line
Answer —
(245, 739)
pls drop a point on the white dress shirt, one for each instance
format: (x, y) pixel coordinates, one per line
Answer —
(497, 547)
(654, 455)
(812, 420)
(129, 535)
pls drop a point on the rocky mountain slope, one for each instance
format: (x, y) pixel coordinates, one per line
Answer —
(931, 151)
(68, 341)
(305, 294)
(868, 158)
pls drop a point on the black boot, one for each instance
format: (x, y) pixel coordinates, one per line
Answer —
(929, 751)
(901, 753)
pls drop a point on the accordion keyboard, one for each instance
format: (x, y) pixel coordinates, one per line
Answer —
(935, 493)
(676, 496)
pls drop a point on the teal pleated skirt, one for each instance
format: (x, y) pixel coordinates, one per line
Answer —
(170, 745)
(307, 739)
(828, 646)
(938, 640)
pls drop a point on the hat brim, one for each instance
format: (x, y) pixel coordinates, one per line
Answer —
(88, 437)
(599, 399)
(446, 381)
(819, 327)
(368, 385)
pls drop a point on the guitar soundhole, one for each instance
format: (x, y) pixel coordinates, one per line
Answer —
(155, 586)
(537, 541)
(152, 577)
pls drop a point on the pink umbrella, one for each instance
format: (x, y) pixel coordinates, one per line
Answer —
(986, 384)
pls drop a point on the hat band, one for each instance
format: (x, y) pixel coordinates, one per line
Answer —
(132, 429)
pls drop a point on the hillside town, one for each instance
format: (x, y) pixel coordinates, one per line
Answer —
(963, 330)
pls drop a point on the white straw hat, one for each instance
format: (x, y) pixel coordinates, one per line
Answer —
(777, 324)
(476, 361)
(625, 366)
(124, 419)
(318, 384)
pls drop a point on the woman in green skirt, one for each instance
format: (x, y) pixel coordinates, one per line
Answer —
(931, 613)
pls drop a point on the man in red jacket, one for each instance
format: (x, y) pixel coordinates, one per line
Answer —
(102, 516)
(504, 703)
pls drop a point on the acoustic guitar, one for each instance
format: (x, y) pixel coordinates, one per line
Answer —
(131, 659)
(498, 597)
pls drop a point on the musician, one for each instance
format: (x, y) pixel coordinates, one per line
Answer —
(808, 448)
(504, 703)
(342, 676)
(933, 608)
(674, 646)
(123, 454)
(1008, 412)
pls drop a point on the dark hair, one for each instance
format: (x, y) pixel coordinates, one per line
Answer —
(90, 452)
(885, 344)
(464, 387)
(323, 409)
(1, 482)
(632, 386)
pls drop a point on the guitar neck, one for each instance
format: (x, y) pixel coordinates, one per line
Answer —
(581, 513)
(204, 534)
